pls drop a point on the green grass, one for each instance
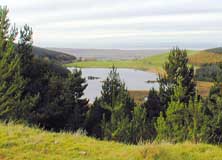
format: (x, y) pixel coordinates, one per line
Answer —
(153, 63)
(18, 143)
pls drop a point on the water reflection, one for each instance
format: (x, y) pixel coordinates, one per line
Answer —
(134, 79)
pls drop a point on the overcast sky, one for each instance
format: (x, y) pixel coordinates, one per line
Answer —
(127, 24)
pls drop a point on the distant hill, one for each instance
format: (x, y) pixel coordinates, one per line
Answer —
(215, 50)
(53, 55)
(110, 54)
(208, 56)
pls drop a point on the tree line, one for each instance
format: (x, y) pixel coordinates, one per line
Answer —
(40, 92)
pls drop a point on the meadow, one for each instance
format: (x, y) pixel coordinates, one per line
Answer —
(18, 142)
(151, 63)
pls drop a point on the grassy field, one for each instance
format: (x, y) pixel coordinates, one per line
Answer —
(22, 143)
(151, 63)
(204, 88)
(204, 57)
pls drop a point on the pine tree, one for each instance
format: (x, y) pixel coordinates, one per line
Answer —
(153, 109)
(176, 66)
(177, 117)
(211, 130)
(11, 81)
(114, 92)
(115, 109)
(182, 121)
(139, 128)
(77, 105)
(197, 114)
(161, 128)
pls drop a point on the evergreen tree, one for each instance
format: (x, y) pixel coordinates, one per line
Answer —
(11, 81)
(77, 105)
(161, 128)
(153, 109)
(139, 129)
(118, 127)
(94, 118)
(197, 119)
(212, 125)
(177, 117)
(113, 111)
(176, 66)
(61, 106)
(182, 121)
(114, 92)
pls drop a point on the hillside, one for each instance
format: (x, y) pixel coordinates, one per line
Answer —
(53, 55)
(18, 143)
(215, 50)
(110, 54)
(205, 57)
(152, 63)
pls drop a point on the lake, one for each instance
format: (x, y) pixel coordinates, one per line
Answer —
(134, 80)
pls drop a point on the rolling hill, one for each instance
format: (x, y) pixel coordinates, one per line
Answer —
(151, 63)
(18, 142)
(215, 50)
(110, 54)
(208, 56)
(53, 55)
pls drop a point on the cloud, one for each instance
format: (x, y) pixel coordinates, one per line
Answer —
(74, 23)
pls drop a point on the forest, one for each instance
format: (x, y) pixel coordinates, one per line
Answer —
(40, 92)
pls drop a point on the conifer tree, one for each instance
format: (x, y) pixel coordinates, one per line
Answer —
(139, 128)
(11, 81)
(77, 105)
(114, 92)
(177, 117)
(197, 119)
(153, 109)
(176, 66)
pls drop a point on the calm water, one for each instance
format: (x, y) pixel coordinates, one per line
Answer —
(134, 79)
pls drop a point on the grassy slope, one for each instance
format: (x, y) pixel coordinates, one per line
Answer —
(18, 142)
(153, 63)
(204, 57)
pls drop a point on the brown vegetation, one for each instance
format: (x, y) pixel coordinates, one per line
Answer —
(204, 57)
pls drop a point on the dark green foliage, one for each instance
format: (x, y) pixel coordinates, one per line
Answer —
(60, 104)
(94, 118)
(51, 55)
(209, 72)
(11, 81)
(114, 115)
(176, 66)
(177, 118)
(77, 105)
(182, 121)
(212, 128)
(114, 91)
(153, 109)
(36, 90)
(139, 128)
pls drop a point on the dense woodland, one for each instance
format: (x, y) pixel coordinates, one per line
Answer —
(36, 91)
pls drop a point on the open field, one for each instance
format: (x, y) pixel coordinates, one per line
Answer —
(18, 143)
(204, 57)
(151, 63)
(204, 88)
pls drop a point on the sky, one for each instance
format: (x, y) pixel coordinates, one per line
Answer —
(120, 24)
